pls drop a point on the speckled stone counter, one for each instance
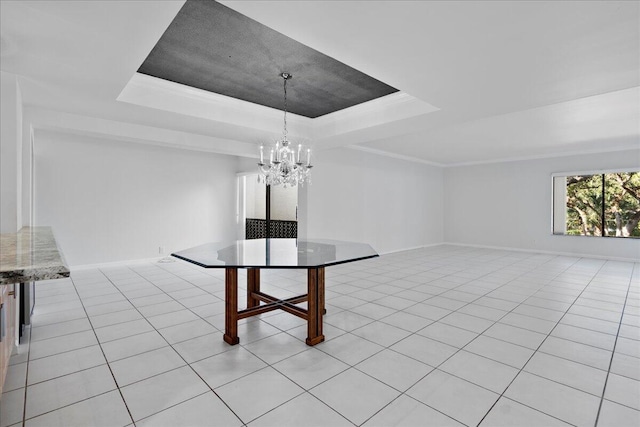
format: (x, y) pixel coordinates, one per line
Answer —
(30, 254)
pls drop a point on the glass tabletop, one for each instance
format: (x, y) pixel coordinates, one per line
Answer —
(276, 253)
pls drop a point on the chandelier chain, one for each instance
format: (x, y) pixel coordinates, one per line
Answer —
(285, 78)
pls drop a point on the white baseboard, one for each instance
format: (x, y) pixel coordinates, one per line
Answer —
(540, 251)
(430, 245)
(115, 263)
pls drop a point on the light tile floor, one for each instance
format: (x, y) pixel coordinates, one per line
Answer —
(432, 337)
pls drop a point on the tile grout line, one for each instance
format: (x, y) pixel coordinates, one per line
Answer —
(613, 351)
(308, 391)
(60, 376)
(270, 365)
(26, 380)
(535, 350)
(478, 334)
(537, 332)
(179, 355)
(494, 322)
(531, 267)
(538, 348)
(459, 349)
(102, 350)
(403, 393)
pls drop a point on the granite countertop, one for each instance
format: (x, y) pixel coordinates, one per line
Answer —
(30, 254)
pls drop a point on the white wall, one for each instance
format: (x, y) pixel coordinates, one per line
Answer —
(109, 200)
(389, 203)
(11, 164)
(284, 203)
(10, 154)
(508, 205)
(255, 196)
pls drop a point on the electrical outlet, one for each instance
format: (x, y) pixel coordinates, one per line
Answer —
(161, 250)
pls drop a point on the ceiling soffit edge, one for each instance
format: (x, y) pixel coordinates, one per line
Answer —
(152, 92)
(391, 108)
(156, 93)
(49, 120)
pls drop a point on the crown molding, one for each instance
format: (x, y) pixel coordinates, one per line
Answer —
(395, 156)
(545, 156)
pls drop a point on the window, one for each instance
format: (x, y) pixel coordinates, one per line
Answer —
(597, 204)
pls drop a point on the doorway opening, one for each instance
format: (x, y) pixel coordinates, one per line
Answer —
(266, 211)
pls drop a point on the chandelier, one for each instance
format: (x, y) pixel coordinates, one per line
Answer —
(286, 166)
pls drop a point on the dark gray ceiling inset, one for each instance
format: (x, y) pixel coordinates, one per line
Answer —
(212, 47)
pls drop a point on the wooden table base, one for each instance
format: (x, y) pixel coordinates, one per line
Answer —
(314, 298)
(231, 306)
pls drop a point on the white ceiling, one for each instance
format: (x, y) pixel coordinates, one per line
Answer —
(481, 81)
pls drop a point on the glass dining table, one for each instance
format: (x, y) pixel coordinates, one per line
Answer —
(257, 254)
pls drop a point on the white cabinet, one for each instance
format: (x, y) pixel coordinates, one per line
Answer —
(7, 327)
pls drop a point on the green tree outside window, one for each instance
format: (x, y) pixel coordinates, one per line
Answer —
(603, 204)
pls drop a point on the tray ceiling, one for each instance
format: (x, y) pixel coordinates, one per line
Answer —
(212, 47)
(502, 80)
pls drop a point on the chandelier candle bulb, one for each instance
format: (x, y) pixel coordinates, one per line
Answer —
(308, 156)
(299, 148)
(262, 155)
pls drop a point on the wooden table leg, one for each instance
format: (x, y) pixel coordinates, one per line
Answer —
(231, 306)
(315, 305)
(253, 285)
